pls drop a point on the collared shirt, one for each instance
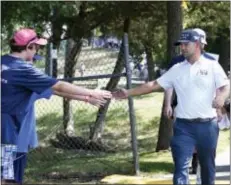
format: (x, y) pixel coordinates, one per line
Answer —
(22, 85)
(195, 86)
(181, 58)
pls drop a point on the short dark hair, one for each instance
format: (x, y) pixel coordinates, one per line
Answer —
(15, 48)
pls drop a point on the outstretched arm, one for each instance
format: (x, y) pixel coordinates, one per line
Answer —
(70, 91)
(68, 88)
(87, 99)
(142, 89)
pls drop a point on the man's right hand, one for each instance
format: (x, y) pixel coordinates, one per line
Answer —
(120, 94)
(168, 111)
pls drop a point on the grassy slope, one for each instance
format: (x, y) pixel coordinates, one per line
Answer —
(48, 160)
(76, 164)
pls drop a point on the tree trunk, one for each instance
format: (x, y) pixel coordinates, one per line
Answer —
(150, 63)
(97, 130)
(72, 52)
(56, 35)
(174, 28)
(165, 132)
(224, 51)
(55, 64)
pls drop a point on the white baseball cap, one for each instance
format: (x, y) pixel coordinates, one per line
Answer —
(202, 35)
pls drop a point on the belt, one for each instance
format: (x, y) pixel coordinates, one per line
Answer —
(196, 119)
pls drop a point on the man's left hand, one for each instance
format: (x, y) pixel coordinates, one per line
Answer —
(218, 102)
(219, 115)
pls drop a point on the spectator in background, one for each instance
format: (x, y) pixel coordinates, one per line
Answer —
(82, 69)
(132, 65)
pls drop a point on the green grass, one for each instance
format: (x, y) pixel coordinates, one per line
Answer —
(40, 64)
(49, 164)
(223, 140)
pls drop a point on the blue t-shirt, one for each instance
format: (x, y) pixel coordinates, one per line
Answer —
(181, 58)
(22, 85)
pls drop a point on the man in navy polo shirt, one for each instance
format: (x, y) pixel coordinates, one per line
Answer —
(22, 85)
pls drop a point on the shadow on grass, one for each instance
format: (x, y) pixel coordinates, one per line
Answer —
(50, 164)
(117, 128)
(85, 119)
(48, 125)
(156, 167)
(149, 135)
(151, 125)
(118, 114)
(52, 123)
(147, 144)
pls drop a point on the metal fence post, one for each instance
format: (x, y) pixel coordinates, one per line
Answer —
(48, 62)
(131, 106)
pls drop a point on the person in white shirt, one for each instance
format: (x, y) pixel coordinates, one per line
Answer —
(82, 69)
(195, 82)
(170, 101)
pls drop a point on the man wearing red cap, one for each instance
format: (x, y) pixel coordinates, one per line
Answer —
(22, 85)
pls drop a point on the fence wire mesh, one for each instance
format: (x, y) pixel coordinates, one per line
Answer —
(77, 158)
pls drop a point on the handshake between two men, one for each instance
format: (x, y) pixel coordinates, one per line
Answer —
(100, 97)
(124, 93)
(218, 101)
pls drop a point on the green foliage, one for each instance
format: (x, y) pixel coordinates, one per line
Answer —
(214, 18)
(210, 16)
(148, 20)
(148, 27)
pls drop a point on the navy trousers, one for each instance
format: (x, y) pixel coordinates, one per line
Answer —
(19, 167)
(186, 136)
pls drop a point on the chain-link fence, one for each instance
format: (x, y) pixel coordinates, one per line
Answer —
(77, 143)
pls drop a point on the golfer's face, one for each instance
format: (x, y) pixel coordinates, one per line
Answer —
(188, 49)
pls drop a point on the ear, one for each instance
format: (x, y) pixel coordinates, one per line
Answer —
(198, 44)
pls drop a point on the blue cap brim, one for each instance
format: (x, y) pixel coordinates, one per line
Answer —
(181, 41)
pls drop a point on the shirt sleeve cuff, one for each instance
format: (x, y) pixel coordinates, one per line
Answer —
(162, 84)
(222, 83)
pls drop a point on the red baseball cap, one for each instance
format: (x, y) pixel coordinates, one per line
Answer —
(27, 36)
